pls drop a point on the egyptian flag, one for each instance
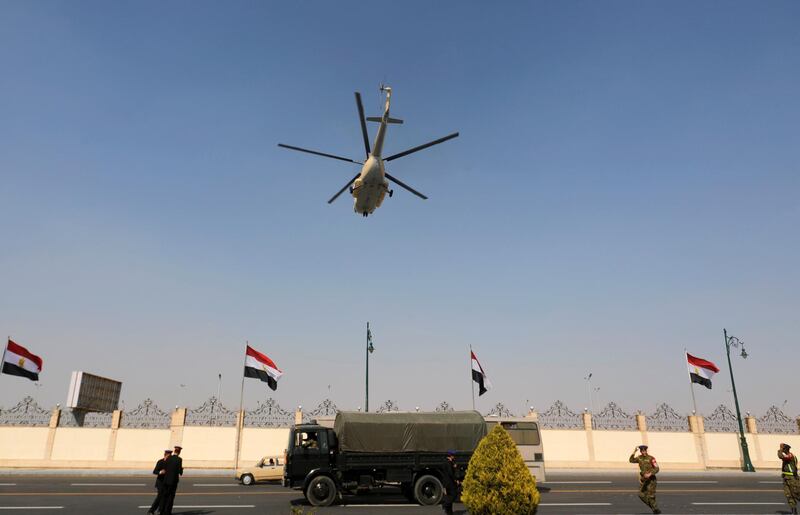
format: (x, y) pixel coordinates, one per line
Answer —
(479, 376)
(259, 366)
(17, 361)
(700, 370)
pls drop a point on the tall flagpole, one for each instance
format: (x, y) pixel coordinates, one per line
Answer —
(240, 418)
(471, 381)
(691, 384)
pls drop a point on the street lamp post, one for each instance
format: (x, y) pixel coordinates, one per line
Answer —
(732, 341)
(370, 350)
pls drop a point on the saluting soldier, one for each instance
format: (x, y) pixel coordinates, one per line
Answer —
(791, 483)
(648, 468)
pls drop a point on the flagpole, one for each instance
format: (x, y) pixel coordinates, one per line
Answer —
(691, 384)
(471, 381)
(240, 418)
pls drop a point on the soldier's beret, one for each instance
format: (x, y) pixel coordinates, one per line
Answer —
(168, 450)
(642, 447)
(178, 448)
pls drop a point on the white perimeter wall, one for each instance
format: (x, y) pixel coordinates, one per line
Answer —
(214, 447)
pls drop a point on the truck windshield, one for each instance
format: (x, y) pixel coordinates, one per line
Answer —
(306, 440)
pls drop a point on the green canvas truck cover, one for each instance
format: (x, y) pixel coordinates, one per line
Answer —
(409, 432)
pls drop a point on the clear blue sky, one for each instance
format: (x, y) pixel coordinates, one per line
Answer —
(625, 185)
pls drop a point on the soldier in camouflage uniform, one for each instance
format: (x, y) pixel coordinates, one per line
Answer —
(791, 483)
(648, 468)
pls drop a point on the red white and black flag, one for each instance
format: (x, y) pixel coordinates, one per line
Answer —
(700, 370)
(479, 376)
(259, 366)
(18, 361)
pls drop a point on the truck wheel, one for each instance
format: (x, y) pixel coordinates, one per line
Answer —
(321, 491)
(247, 480)
(428, 490)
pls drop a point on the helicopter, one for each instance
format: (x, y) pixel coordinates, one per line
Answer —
(371, 184)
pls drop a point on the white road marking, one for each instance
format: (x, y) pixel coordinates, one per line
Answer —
(208, 506)
(576, 482)
(8, 484)
(739, 503)
(688, 482)
(216, 484)
(770, 482)
(378, 505)
(32, 507)
(107, 484)
(575, 504)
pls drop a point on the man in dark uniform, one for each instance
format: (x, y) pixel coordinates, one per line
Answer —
(791, 483)
(158, 471)
(648, 468)
(173, 470)
(450, 483)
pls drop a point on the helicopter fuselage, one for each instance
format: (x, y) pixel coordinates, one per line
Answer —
(371, 186)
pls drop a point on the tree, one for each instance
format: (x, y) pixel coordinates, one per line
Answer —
(497, 481)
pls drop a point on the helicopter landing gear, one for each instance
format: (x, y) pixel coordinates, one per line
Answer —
(351, 190)
(365, 214)
(390, 193)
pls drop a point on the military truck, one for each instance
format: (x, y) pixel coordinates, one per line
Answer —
(373, 450)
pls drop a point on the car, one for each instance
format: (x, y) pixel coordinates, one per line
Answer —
(268, 468)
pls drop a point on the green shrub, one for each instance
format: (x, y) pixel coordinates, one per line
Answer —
(497, 481)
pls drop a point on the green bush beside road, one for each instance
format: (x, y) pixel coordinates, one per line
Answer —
(497, 481)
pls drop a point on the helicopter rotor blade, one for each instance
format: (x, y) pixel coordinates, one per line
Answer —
(323, 154)
(363, 122)
(406, 186)
(345, 187)
(421, 147)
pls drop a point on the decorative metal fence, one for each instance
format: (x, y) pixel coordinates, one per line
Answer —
(268, 414)
(667, 419)
(776, 421)
(146, 415)
(387, 406)
(612, 417)
(500, 410)
(559, 416)
(81, 418)
(211, 413)
(325, 408)
(26, 413)
(443, 407)
(721, 420)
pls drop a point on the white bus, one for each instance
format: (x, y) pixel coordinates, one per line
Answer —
(525, 433)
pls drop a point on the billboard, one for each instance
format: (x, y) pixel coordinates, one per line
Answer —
(93, 393)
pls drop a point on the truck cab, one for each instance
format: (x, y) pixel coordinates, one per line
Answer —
(310, 450)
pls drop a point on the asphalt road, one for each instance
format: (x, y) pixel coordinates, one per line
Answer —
(565, 493)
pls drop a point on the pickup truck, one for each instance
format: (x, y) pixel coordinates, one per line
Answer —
(374, 450)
